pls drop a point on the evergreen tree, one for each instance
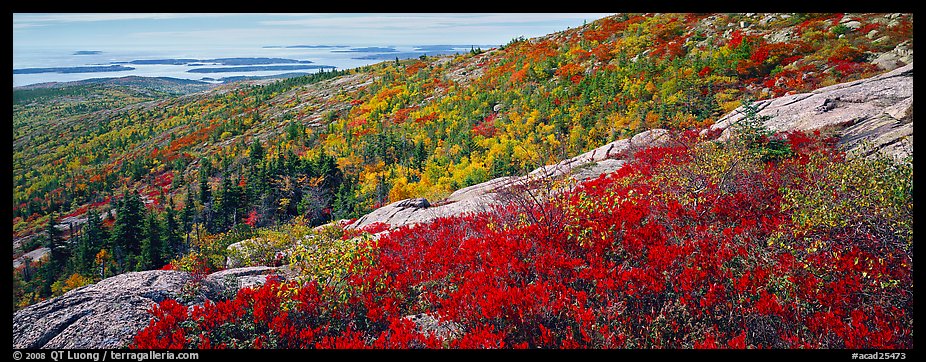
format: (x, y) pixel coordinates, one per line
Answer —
(57, 246)
(127, 230)
(205, 193)
(151, 247)
(189, 212)
(344, 202)
(257, 152)
(18, 290)
(89, 244)
(58, 255)
(205, 197)
(171, 241)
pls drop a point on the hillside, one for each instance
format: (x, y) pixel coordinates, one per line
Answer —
(268, 160)
(426, 128)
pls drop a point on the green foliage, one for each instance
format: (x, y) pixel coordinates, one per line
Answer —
(839, 29)
(93, 238)
(752, 134)
(152, 248)
(128, 231)
(328, 258)
(874, 194)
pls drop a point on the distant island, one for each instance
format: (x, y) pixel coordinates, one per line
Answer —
(404, 55)
(94, 69)
(367, 50)
(220, 61)
(452, 47)
(87, 52)
(257, 68)
(303, 46)
(254, 77)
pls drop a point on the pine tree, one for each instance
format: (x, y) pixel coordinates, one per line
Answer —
(344, 201)
(18, 290)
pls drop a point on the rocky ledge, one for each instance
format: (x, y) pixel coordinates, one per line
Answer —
(869, 116)
(108, 314)
(873, 115)
(487, 195)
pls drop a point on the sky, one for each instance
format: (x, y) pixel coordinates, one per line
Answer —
(89, 31)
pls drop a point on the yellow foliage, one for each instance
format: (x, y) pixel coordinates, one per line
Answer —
(73, 282)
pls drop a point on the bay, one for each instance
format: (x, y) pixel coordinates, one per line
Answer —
(339, 57)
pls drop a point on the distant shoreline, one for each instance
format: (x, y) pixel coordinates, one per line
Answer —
(280, 59)
(68, 70)
(258, 68)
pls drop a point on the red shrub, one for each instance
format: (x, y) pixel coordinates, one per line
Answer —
(620, 262)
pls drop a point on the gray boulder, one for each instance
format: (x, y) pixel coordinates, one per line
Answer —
(430, 325)
(901, 55)
(109, 313)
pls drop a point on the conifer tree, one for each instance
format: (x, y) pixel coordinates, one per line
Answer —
(151, 247)
(127, 230)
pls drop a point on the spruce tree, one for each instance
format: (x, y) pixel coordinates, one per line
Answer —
(189, 212)
(151, 249)
(127, 229)
(57, 257)
(171, 241)
(89, 244)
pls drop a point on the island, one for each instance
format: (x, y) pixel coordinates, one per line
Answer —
(94, 69)
(258, 68)
(367, 50)
(219, 61)
(303, 46)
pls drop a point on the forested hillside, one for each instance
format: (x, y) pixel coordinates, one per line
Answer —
(188, 175)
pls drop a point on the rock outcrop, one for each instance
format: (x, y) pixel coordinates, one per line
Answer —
(108, 314)
(484, 196)
(869, 115)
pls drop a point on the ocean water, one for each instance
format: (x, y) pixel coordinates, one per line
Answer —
(341, 57)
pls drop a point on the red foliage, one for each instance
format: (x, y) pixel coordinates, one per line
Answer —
(415, 67)
(619, 262)
(427, 118)
(705, 71)
(486, 128)
(735, 39)
(252, 218)
(402, 114)
(865, 29)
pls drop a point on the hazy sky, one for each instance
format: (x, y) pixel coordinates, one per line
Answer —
(118, 30)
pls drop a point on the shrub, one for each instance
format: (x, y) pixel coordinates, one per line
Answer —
(695, 245)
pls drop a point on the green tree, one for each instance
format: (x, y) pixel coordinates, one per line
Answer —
(127, 232)
(88, 244)
(151, 247)
(58, 255)
(345, 201)
(189, 212)
(172, 242)
(257, 152)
